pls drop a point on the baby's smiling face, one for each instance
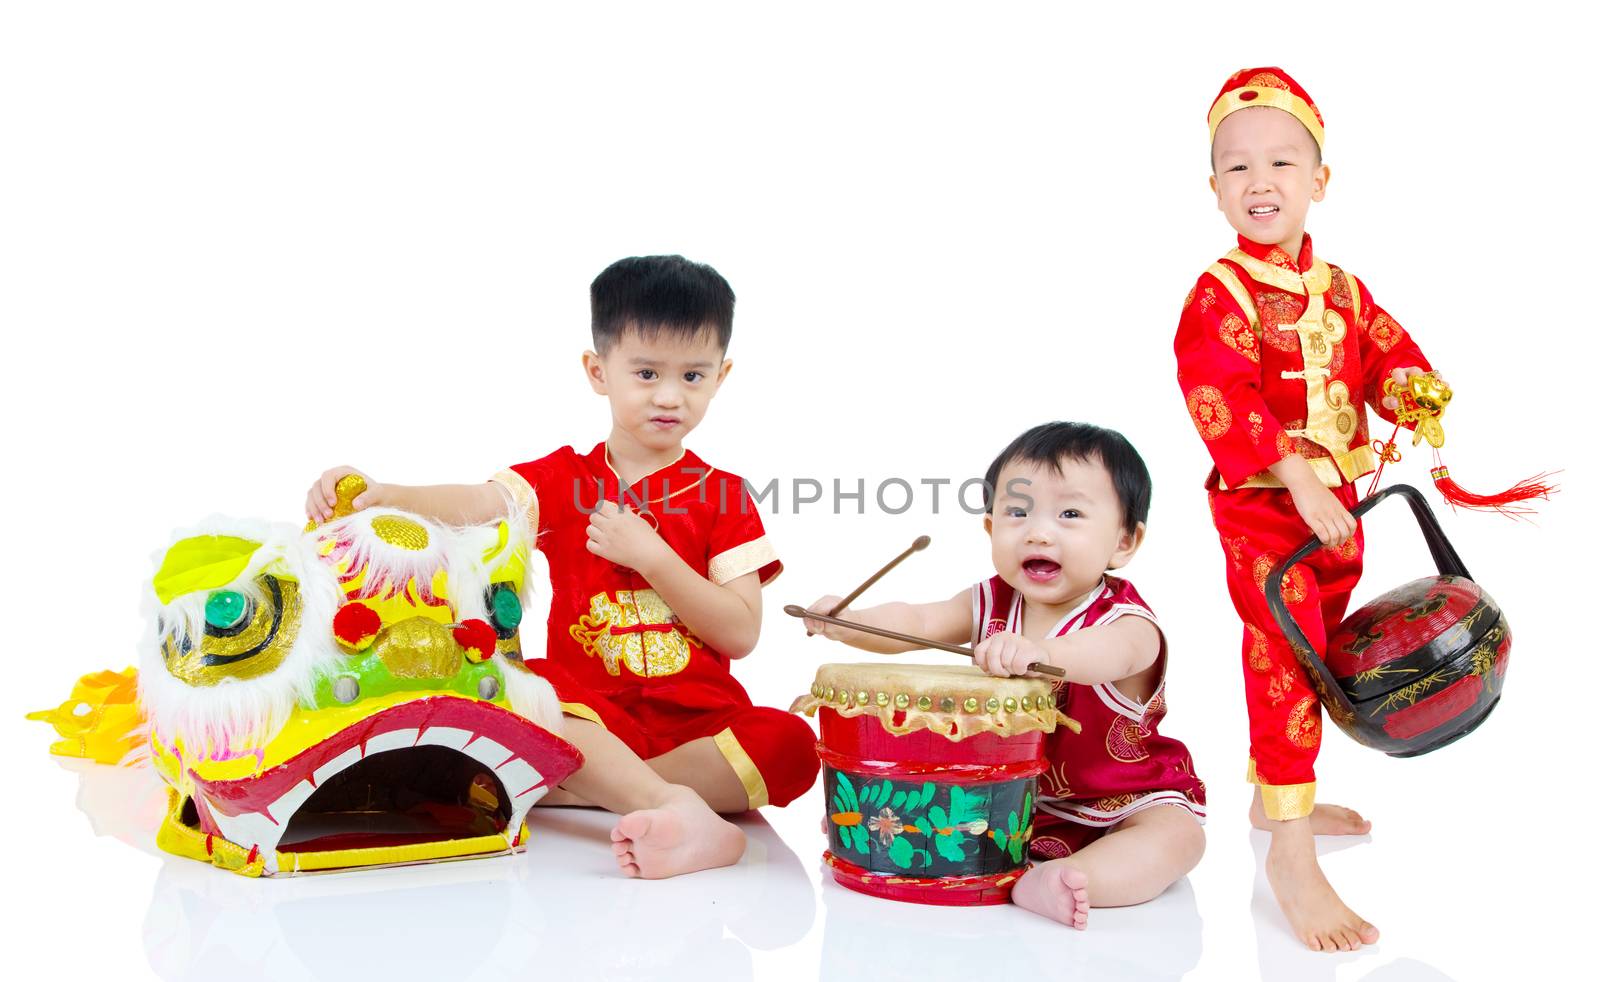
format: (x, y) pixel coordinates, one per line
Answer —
(1054, 532)
(1266, 171)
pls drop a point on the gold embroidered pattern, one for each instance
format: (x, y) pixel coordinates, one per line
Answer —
(748, 557)
(1053, 782)
(1235, 547)
(1125, 740)
(1348, 549)
(1188, 299)
(1330, 418)
(636, 630)
(1278, 257)
(1267, 80)
(520, 494)
(1339, 288)
(1257, 659)
(1282, 686)
(1384, 332)
(1236, 334)
(1115, 802)
(1304, 727)
(1285, 802)
(1312, 281)
(1294, 581)
(1230, 281)
(1256, 426)
(1210, 411)
(1277, 308)
(1338, 708)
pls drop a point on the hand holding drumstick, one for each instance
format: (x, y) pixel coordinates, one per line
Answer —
(895, 627)
(908, 642)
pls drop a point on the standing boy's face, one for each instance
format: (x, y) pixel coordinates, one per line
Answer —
(659, 386)
(1266, 173)
(1054, 535)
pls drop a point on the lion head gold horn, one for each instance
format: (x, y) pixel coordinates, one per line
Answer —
(345, 492)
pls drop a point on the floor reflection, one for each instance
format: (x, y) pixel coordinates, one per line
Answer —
(884, 939)
(1282, 956)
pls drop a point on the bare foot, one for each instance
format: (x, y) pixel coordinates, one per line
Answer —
(682, 836)
(1325, 819)
(1055, 890)
(1316, 914)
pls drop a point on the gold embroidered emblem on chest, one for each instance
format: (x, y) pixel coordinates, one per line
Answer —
(637, 630)
(1330, 417)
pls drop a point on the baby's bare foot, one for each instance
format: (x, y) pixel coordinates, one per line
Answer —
(682, 836)
(1316, 914)
(1055, 890)
(1325, 819)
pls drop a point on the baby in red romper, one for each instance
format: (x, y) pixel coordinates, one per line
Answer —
(1120, 807)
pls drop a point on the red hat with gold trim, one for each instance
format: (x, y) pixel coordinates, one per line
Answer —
(1271, 87)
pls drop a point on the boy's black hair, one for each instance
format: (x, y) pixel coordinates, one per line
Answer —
(1048, 443)
(651, 294)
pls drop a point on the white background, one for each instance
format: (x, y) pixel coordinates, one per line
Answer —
(241, 244)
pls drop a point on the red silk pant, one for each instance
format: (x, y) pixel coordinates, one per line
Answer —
(1259, 527)
(773, 752)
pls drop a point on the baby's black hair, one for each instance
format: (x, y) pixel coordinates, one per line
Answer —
(652, 294)
(1048, 443)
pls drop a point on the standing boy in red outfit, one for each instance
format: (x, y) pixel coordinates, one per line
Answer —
(1278, 355)
(656, 559)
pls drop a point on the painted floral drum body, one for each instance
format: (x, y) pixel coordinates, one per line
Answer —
(929, 774)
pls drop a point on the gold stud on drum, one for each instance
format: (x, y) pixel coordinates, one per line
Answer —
(1011, 705)
(862, 697)
(1027, 704)
(924, 703)
(901, 700)
(971, 704)
(883, 699)
(992, 705)
(947, 705)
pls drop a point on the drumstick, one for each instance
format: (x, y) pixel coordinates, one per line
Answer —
(920, 544)
(794, 610)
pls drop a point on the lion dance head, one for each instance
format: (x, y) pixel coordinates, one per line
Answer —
(353, 694)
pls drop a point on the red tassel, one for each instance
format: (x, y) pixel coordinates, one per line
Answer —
(1507, 502)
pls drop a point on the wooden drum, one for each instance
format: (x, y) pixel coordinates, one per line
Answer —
(929, 773)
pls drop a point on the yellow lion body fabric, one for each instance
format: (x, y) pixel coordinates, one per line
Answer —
(350, 695)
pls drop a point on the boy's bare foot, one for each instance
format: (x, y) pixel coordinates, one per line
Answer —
(1325, 819)
(1055, 890)
(682, 836)
(1316, 914)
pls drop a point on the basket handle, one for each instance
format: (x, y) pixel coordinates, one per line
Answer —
(1444, 557)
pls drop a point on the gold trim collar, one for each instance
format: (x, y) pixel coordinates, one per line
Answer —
(1313, 281)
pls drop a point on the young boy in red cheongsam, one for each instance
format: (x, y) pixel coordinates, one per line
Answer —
(1278, 355)
(1119, 809)
(656, 566)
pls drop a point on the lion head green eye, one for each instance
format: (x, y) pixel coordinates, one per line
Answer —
(242, 638)
(225, 609)
(505, 610)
